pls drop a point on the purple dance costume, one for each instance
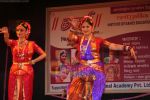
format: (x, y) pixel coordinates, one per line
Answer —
(89, 81)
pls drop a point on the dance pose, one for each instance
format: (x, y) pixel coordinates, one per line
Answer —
(89, 81)
(20, 86)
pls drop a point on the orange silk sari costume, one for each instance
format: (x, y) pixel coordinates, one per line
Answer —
(21, 72)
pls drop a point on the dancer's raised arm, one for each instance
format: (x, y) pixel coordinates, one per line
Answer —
(5, 31)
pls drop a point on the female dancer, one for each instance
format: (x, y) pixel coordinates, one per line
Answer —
(89, 82)
(21, 73)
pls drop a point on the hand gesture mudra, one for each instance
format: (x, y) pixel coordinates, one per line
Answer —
(4, 30)
(74, 22)
(133, 55)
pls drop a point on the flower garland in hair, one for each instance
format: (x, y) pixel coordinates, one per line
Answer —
(89, 19)
(26, 25)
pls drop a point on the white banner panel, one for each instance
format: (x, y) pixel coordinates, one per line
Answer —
(125, 23)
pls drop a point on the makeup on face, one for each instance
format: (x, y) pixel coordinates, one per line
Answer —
(86, 28)
(21, 31)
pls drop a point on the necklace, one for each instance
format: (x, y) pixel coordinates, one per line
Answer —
(21, 48)
(82, 47)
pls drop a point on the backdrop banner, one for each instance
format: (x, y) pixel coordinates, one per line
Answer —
(126, 22)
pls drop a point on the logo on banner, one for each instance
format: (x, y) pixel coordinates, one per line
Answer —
(54, 24)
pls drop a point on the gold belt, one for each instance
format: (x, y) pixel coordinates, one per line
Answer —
(20, 69)
(93, 65)
(20, 64)
(87, 62)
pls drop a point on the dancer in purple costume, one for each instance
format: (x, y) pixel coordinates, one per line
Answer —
(89, 81)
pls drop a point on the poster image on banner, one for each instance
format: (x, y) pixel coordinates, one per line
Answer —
(60, 65)
(124, 22)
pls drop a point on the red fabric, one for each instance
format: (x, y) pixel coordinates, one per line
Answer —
(98, 41)
(27, 70)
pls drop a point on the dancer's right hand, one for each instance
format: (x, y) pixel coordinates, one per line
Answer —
(4, 30)
(75, 23)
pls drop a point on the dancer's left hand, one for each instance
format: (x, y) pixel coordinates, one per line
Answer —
(133, 55)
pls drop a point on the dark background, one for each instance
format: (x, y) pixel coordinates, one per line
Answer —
(35, 12)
